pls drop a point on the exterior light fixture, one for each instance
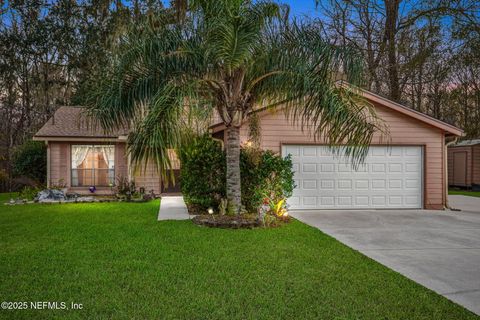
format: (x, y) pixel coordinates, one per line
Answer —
(210, 210)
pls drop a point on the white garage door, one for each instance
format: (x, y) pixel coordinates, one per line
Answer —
(390, 177)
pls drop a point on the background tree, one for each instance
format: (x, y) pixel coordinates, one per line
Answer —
(47, 51)
(419, 53)
(30, 160)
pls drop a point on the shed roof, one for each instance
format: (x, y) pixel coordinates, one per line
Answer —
(466, 143)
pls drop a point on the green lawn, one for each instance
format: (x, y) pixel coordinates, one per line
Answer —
(120, 263)
(465, 193)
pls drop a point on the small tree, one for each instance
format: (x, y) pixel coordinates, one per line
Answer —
(30, 160)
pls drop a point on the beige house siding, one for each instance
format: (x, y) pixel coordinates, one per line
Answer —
(404, 130)
(121, 163)
(60, 165)
(148, 178)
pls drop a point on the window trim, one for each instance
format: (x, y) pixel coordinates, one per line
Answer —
(93, 169)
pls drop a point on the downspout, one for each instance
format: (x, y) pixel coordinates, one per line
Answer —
(49, 169)
(445, 161)
(129, 168)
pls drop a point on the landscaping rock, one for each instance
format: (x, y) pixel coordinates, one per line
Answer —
(85, 199)
(50, 195)
(72, 195)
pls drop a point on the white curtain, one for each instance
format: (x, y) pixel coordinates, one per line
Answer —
(109, 155)
(79, 153)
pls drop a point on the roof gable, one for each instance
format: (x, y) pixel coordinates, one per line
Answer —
(372, 97)
(447, 128)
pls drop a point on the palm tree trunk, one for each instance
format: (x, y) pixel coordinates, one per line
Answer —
(232, 148)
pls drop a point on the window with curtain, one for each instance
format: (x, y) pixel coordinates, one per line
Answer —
(93, 165)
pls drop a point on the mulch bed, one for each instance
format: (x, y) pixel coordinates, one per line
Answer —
(233, 222)
(195, 209)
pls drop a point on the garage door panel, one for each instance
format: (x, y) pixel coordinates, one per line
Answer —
(344, 184)
(308, 184)
(362, 201)
(395, 168)
(395, 201)
(394, 184)
(309, 201)
(327, 184)
(391, 177)
(361, 184)
(309, 151)
(327, 201)
(309, 168)
(293, 151)
(294, 201)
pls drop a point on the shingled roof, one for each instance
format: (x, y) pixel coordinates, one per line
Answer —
(70, 122)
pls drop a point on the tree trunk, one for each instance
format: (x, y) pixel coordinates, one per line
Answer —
(234, 193)
(392, 8)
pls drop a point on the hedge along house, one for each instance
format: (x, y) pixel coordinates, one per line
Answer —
(79, 156)
(407, 171)
(464, 164)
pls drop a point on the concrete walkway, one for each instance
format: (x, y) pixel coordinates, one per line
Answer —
(173, 208)
(438, 249)
(464, 203)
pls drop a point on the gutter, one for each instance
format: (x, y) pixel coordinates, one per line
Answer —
(447, 144)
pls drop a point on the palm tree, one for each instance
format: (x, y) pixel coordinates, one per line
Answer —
(229, 57)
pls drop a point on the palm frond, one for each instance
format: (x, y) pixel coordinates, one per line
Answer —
(155, 73)
(298, 71)
(228, 55)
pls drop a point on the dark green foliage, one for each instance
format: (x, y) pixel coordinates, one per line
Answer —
(264, 175)
(203, 172)
(30, 160)
(126, 188)
(29, 193)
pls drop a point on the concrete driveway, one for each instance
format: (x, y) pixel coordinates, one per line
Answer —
(438, 249)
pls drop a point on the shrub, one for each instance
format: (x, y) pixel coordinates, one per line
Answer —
(203, 172)
(125, 188)
(30, 160)
(264, 175)
(4, 180)
(29, 193)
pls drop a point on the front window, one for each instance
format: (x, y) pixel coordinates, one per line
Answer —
(93, 165)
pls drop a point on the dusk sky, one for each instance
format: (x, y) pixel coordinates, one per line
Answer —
(302, 7)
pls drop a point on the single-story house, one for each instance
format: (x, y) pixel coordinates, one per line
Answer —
(80, 156)
(464, 163)
(407, 171)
